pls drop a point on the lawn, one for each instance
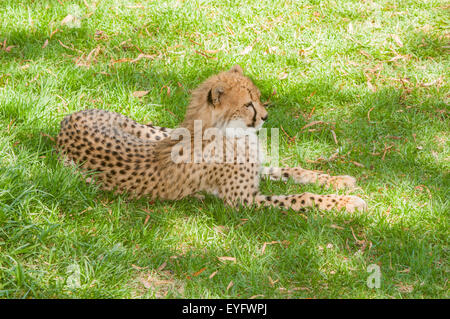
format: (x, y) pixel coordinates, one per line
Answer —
(357, 87)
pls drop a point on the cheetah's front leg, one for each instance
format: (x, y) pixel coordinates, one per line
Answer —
(243, 191)
(323, 202)
(304, 176)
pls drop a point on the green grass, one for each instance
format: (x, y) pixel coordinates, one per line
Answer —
(395, 128)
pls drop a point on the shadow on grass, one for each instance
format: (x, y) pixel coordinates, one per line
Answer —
(366, 140)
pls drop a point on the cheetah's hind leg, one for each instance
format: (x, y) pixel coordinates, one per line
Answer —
(199, 196)
(68, 162)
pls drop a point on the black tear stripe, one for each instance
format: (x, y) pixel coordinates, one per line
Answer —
(210, 101)
(254, 115)
(251, 104)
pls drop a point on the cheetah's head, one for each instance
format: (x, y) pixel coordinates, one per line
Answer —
(227, 100)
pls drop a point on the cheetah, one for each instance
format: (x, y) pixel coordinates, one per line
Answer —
(128, 157)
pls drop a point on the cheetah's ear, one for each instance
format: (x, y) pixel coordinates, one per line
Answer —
(215, 93)
(237, 68)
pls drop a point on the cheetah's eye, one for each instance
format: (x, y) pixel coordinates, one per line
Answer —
(248, 104)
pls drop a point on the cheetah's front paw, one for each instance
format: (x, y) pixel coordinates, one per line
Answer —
(340, 182)
(352, 203)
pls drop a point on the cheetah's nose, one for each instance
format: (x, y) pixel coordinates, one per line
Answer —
(265, 117)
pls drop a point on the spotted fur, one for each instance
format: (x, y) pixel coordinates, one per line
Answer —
(135, 158)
